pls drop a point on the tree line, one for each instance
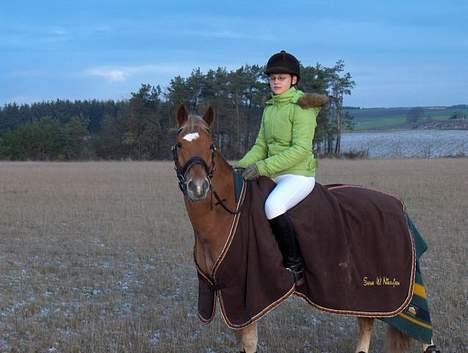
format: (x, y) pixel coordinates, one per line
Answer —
(142, 127)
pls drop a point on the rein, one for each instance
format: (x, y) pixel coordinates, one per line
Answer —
(182, 171)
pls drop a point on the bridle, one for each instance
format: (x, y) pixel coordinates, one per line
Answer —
(182, 172)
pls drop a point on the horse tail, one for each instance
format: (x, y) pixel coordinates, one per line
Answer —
(397, 341)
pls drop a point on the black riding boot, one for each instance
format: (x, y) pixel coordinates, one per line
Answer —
(285, 235)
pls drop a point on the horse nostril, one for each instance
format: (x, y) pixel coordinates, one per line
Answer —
(190, 184)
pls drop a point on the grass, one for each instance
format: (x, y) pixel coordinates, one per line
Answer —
(97, 257)
(388, 122)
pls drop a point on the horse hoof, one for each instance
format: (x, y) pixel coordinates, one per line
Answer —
(432, 349)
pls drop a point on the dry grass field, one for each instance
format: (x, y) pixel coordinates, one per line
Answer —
(97, 257)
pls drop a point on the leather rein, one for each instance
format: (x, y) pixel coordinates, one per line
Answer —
(182, 172)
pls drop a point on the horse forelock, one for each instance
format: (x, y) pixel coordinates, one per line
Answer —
(194, 124)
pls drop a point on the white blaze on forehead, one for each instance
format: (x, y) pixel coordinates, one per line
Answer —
(192, 136)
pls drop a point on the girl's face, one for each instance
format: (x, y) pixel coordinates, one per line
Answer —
(280, 83)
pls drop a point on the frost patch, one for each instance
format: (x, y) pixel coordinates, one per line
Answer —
(155, 339)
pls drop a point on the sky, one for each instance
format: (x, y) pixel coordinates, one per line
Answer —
(400, 53)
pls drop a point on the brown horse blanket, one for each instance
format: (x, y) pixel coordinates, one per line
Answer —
(358, 252)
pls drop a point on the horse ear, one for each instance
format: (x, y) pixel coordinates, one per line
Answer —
(182, 115)
(209, 116)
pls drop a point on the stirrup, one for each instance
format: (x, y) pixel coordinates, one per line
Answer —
(432, 349)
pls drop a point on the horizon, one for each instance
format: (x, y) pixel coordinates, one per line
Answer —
(400, 55)
(50, 101)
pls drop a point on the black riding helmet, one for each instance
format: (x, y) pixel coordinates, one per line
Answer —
(283, 62)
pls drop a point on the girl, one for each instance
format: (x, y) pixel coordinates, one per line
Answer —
(283, 152)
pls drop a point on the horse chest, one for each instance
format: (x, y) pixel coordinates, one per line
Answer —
(206, 254)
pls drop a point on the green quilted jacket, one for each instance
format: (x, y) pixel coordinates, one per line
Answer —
(284, 141)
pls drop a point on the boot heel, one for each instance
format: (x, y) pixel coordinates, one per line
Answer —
(297, 272)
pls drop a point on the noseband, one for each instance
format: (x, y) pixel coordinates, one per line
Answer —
(182, 172)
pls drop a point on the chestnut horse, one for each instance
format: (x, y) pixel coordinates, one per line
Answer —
(205, 179)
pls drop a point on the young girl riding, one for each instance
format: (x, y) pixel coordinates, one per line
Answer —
(283, 152)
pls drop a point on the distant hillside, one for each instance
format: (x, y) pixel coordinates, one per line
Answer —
(397, 118)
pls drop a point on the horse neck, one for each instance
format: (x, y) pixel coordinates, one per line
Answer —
(211, 222)
(223, 182)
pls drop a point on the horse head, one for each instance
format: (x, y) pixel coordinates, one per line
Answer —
(194, 153)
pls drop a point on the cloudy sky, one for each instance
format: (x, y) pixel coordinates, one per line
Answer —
(399, 52)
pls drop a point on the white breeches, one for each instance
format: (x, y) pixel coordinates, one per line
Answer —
(290, 189)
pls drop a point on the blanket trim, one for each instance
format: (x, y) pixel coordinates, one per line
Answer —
(232, 232)
(213, 313)
(412, 277)
(256, 317)
(218, 294)
(212, 279)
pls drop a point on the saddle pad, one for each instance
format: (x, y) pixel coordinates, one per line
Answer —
(358, 252)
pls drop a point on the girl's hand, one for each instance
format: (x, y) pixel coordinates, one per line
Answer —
(251, 172)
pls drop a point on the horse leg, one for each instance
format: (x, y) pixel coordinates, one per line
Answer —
(247, 337)
(398, 341)
(365, 333)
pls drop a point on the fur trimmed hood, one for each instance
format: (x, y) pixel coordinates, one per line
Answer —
(312, 100)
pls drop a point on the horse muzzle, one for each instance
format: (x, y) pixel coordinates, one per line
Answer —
(197, 188)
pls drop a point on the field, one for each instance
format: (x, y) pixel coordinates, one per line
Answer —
(97, 257)
(396, 118)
